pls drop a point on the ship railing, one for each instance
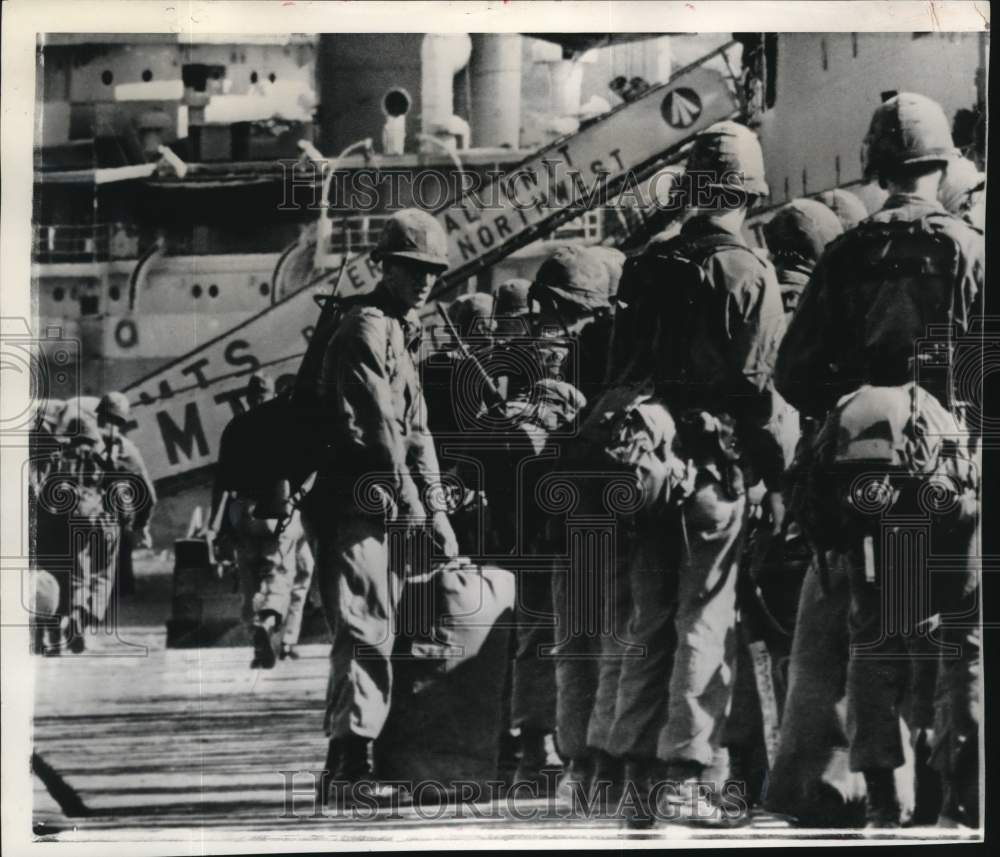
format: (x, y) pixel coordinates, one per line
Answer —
(91, 242)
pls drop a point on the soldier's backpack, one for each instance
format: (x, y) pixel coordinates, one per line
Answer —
(898, 300)
(888, 457)
(631, 434)
(662, 302)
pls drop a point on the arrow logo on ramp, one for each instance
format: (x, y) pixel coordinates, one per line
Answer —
(681, 107)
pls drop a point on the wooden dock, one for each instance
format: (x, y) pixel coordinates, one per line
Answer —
(191, 744)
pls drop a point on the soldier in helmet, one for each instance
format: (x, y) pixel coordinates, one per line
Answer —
(796, 237)
(511, 306)
(864, 325)
(273, 558)
(90, 530)
(383, 482)
(573, 290)
(122, 457)
(704, 320)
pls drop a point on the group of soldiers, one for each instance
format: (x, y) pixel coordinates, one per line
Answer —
(92, 499)
(724, 409)
(724, 383)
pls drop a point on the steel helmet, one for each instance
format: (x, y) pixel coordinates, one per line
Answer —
(466, 311)
(512, 298)
(731, 153)
(850, 210)
(907, 129)
(576, 275)
(413, 234)
(961, 180)
(803, 228)
(113, 408)
(614, 260)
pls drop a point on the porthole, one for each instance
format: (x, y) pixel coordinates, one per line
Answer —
(147, 75)
(272, 77)
(396, 102)
(114, 293)
(213, 291)
(196, 290)
(264, 288)
(253, 77)
(107, 77)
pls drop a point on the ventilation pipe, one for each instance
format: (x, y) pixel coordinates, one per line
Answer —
(496, 89)
(442, 56)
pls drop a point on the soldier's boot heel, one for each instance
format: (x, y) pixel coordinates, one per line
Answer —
(884, 810)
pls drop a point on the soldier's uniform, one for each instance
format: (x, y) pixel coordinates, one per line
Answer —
(273, 558)
(81, 529)
(554, 686)
(123, 459)
(384, 478)
(704, 313)
(861, 325)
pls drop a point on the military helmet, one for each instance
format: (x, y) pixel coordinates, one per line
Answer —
(576, 275)
(907, 129)
(466, 311)
(113, 408)
(614, 260)
(961, 180)
(850, 210)
(731, 154)
(260, 385)
(413, 234)
(512, 298)
(803, 228)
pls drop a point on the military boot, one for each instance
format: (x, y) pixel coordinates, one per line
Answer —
(608, 782)
(349, 780)
(533, 758)
(264, 656)
(575, 780)
(883, 803)
(635, 806)
(690, 798)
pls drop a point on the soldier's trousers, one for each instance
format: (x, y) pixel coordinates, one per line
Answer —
(811, 778)
(958, 715)
(894, 663)
(95, 560)
(360, 582)
(641, 699)
(533, 691)
(703, 664)
(275, 572)
(592, 603)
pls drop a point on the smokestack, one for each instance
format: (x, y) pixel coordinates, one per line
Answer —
(442, 56)
(496, 89)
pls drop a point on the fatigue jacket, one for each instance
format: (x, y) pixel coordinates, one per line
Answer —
(369, 380)
(817, 364)
(735, 335)
(124, 464)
